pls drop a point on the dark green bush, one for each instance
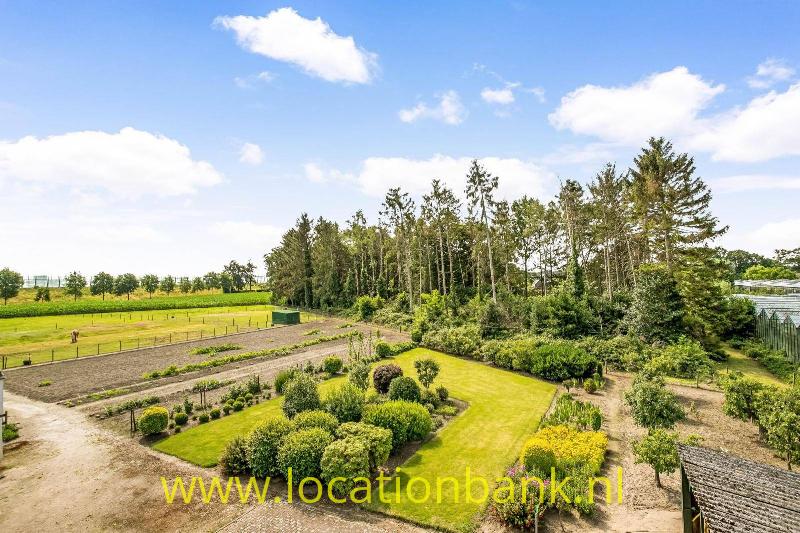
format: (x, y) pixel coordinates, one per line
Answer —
(302, 452)
(316, 419)
(442, 393)
(300, 394)
(345, 402)
(332, 364)
(378, 440)
(263, 444)
(383, 376)
(203, 418)
(406, 420)
(562, 315)
(153, 420)
(560, 360)
(181, 419)
(404, 388)
(234, 459)
(238, 406)
(347, 458)
(283, 377)
(383, 349)
(215, 414)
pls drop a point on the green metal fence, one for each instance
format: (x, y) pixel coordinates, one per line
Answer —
(779, 333)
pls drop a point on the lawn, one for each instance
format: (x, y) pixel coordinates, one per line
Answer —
(504, 408)
(750, 367)
(48, 337)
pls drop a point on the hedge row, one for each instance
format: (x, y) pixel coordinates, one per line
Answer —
(150, 304)
(221, 361)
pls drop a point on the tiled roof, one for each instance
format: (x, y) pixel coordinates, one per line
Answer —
(736, 495)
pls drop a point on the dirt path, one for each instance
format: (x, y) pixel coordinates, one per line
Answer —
(67, 474)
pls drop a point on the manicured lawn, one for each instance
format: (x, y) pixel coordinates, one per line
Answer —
(749, 367)
(504, 408)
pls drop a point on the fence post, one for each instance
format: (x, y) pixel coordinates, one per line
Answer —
(98, 348)
(170, 338)
(120, 345)
(137, 343)
(76, 352)
(52, 355)
(226, 330)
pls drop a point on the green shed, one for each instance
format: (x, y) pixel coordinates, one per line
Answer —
(285, 316)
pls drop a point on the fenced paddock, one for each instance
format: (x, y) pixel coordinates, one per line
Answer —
(778, 323)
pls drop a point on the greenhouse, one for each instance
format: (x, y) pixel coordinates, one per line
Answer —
(787, 286)
(778, 323)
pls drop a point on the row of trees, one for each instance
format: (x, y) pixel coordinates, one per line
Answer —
(234, 277)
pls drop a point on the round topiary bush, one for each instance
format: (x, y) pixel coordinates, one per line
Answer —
(154, 420)
(347, 458)
(404, 388)
(590, 385)
(214, 414)
(300, 394)
(406, 420)
(316, 419)
(442, 393)
(234, 459)
(383, 376)
(378, 440)
(238, 406)
(181, 419)
(332, 364)
(263, 444)
(383, 349)
(345, 402)
(203, 418)
(302, 452)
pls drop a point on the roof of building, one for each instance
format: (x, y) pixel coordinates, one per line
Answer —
(739, 495)
(782, 307)
(769, 283)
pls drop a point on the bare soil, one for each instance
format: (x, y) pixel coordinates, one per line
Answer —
(78, 377)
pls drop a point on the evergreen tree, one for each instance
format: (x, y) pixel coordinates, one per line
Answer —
(657, 310)
(481, 186)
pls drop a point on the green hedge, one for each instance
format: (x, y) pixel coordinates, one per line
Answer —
(150, 304)
(407, 421)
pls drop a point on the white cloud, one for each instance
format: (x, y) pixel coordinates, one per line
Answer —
(314, 173)
(538, 92)
(129, 164)
(250, 237)
(767, 238)
(517, 177)
(249, 82)
(498, 96)
(769, 73)
(312, 45)
(766, 128)
(665, 103)
(251, 154)
(449, 110)
(755, 182)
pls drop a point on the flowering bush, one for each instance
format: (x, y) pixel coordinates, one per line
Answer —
(569, 448)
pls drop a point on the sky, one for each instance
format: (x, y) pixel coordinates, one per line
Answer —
(170, 137)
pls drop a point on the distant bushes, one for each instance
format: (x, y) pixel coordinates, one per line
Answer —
(574, 413)
(206, 350)
(462, 340)
(151, 304)
(555, 360)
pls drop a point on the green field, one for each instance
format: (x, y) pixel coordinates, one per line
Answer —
(48, 337)
(504, 408)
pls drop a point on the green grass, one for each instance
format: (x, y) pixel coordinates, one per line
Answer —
(119, 304)
(737, 361)
(48, 337)
(504, 408)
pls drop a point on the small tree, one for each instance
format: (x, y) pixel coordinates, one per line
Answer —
(150, 283)
(652, 405)
(74, 284)
(783, 426)
(427, 370)
(102, 283)
(10, 284)
(198, 284)
(185, 285)
(659, 449)
(125, 284)
(657, 310)
(167, 284)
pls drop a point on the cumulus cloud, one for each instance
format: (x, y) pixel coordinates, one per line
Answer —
(130, 163)
(755, 182)
(449, 110)
(283, 35)
(503, 96)
(769, 73)
(670, 104)
(766, 238)
(251, 154)
(666, 103)
(378, 174)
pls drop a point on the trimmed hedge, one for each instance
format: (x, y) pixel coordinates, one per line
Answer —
(316, 419)
(332, 364)
(347, 458)
(463, 340)
(345, 402)
(404, 388)
(407, 421)
(263, 444)
(153, 420)
(302, 452)
(377, 439)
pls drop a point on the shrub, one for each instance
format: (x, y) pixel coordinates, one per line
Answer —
(653, 405)
(302, 452)
(404, 388)
(188, 406)
(153, 420)
(514, 511)
(365, 307)
(345, 402)
(203, 418)
(383, 349)
(378, 440)
(316, 419)
(359, 374)
(332, 364)
(10, 432)
(624, 353)
(181, 419)
(253, 385)
(215, 414)
(238, 406)
(740, 397)
(347, 458)
(263, 444)
(463, 340)
(560, 360)
(562, 315)
(574, 413)
(283, 377)
(300, 394)
(684, 359)
(234, 458)
(226, 408)
(590, 385)
(427, 370)
(383, 376)
(406, 420)
(776, 362)
(442, 393)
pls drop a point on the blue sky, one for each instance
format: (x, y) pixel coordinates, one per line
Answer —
(170, 137)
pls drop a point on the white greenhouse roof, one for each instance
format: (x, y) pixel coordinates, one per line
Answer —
(782, 306)
(768, 283)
